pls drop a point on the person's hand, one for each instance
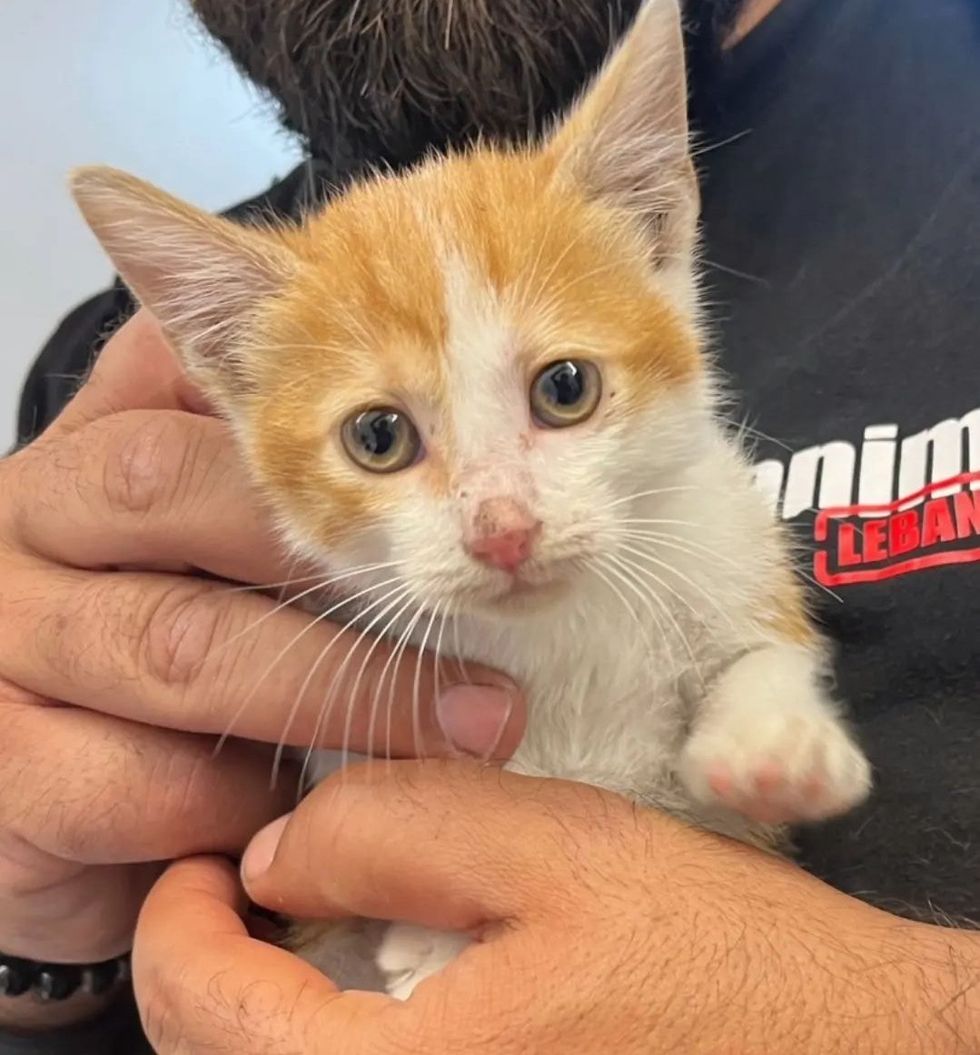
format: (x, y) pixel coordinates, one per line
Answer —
(102, 522)
(601, 928)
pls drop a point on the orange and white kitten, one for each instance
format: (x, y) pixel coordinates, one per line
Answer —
(490, 371)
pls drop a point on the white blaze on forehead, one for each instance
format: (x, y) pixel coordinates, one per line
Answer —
(486, 388)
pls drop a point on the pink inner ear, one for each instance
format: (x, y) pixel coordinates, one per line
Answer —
(200, 275)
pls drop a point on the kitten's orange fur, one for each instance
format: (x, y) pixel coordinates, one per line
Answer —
(654, 620)
(365, 322)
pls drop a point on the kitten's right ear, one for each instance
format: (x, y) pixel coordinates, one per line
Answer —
(200, 275)
(626, 141)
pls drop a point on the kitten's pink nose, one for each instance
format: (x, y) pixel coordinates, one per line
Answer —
(503, 533)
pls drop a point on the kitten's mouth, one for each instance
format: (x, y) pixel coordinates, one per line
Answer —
(519, 588)
(532, 588)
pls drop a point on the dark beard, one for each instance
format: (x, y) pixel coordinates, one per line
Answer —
(384, 80)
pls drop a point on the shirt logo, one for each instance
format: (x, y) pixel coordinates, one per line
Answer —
(900, 505)
(938, 525)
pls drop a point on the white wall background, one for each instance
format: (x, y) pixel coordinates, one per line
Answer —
(131, 83)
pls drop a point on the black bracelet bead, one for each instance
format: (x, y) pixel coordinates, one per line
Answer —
(54, 982)
(99, 978)
(16, 976)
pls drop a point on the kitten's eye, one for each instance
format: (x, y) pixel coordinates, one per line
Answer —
(566, 393)
(381, 440)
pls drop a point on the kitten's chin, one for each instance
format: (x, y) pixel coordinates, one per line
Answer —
(520, 596)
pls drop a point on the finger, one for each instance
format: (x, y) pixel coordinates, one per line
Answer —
(190, 654)
(451, 846)
(137, 369)
(145, 488)
(202, 984)
(94, 790)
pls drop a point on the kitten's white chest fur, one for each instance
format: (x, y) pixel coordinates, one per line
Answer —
(606, 705)
(688, 695)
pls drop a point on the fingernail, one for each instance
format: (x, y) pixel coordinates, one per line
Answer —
(474, 717)
(262, 849)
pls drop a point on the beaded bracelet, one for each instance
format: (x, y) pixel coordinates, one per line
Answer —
(51, 981)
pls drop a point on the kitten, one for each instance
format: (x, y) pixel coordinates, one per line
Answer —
(492, 369)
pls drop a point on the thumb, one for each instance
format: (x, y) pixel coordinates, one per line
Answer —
(203, 985)
(448, 845)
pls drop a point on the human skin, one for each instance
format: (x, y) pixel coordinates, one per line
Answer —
(121, 664)
(602, 928)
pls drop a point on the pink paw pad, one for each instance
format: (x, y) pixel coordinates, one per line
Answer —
(767, 794)
(721, 781)
(768, 777)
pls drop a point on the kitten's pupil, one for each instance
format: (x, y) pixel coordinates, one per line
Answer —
(378, 431)
(564, 384)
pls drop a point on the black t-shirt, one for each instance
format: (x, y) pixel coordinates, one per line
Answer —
(848, 198)
(842, 225)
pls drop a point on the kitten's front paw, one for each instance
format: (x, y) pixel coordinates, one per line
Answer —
(776, 766)
(410, 954)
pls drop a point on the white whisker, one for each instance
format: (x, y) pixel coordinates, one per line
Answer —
(294, 600)
(819, 585)
(284, 586)
(379, 636)
(437, 671)
(458, 649)
(322, 576)
(596, 567)
(416, 684)
(311, 673)
(678, 542)
(314, 621)
(617, 566)
(646, 555)
(643, 494)
(402, 646)
(326, 709)
(379, 687)
(661, 521)
(294, 710)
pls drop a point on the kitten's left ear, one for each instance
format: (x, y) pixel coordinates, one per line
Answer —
(627, 140)
(200, 275)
